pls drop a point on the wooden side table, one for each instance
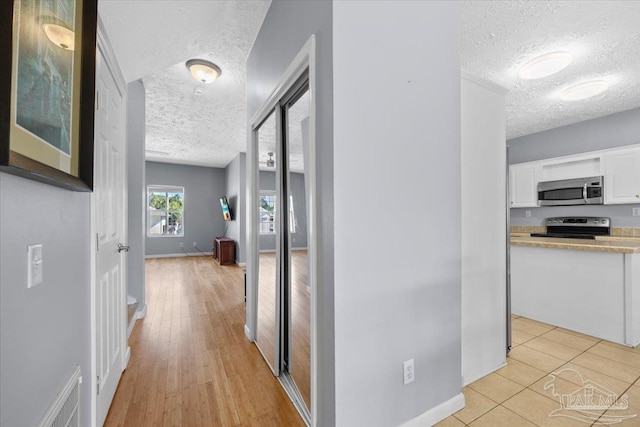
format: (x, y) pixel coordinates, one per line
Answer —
(224, 250)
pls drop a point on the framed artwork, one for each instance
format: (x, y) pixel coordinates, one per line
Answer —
(47, 86)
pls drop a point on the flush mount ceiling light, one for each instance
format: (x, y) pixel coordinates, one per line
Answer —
(584, 90)
(545, 65)
(270, 163)
(60, 36)
(203, 71)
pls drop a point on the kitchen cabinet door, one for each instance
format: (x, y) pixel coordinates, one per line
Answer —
(622, 176)
(523, 183)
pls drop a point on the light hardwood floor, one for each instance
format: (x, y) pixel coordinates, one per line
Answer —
(191, 364)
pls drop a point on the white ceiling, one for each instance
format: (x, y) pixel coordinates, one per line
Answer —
(154, 38)
(603, 37)
(187, 121)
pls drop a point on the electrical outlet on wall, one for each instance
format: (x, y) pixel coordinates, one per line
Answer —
(181, 245)
(409, 374)
(636, 211)
(195, 244)
(527, 214)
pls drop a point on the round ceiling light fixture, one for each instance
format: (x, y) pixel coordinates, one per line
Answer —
(60, 36)
(584, 90)
(545, 65)
(203, 71)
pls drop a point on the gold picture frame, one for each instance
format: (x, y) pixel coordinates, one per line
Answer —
(47, 71)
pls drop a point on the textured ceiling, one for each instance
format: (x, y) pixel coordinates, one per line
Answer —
(603, 37)
(186, 121)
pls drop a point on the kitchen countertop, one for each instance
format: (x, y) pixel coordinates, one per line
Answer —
(623, 245)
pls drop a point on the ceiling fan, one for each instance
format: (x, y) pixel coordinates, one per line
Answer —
(271, 163)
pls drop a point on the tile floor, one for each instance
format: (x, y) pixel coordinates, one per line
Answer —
(524, 394)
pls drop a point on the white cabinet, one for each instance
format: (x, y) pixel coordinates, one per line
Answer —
(523, 186)
(622, 176)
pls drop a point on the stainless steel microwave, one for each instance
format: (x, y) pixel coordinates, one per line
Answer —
(565, 192)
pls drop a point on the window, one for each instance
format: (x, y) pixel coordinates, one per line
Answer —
(165, 211)
(267, 213)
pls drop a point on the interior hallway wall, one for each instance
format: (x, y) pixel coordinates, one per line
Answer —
(397, 188)
(45, 330)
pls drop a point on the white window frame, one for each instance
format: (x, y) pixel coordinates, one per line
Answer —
(271, 193)
(153, 188)
(292, 215)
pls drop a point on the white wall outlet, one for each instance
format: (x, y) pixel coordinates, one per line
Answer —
(181, 245)
(34, 265)
(409, 374)
(636, 211)
(527, 214)
(195, 244)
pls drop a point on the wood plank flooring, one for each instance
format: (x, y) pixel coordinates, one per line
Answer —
(191, 364)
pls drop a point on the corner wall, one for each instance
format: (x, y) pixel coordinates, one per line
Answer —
(236, 184)
(615, 130)
(136, 191)
(398, 212)
(44, 330)
(484, 240)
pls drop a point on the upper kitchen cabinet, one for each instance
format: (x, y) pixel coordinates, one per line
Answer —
(622, 176)
(523, 182)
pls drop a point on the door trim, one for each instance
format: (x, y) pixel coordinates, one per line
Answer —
(304, 60)
(104, 46)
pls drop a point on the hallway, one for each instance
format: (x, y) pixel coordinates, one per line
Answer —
(191, 364)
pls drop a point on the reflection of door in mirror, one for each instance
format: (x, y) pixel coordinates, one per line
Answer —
(298, 357)
(267, 334)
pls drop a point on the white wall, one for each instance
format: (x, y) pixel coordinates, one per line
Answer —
(397, 209)
(483, 230)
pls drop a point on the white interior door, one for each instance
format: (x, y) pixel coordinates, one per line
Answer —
(110, 225)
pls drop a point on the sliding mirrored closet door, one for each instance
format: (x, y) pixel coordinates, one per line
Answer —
(297, 358)
(268, 295)
(283, 308)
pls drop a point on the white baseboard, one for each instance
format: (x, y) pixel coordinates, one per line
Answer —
(241, 264)
(141, 312)
(247, 333)
(178, 255)
(131, 325)
(439, 413)
(476, 377)
(127, 357)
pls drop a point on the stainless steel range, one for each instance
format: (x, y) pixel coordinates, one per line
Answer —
(572, 227)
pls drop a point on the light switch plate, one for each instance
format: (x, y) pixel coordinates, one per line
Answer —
(34, 265)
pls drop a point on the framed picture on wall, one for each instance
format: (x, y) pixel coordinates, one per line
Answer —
(47, 85)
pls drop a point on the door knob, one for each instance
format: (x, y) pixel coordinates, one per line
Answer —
(122, 247)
